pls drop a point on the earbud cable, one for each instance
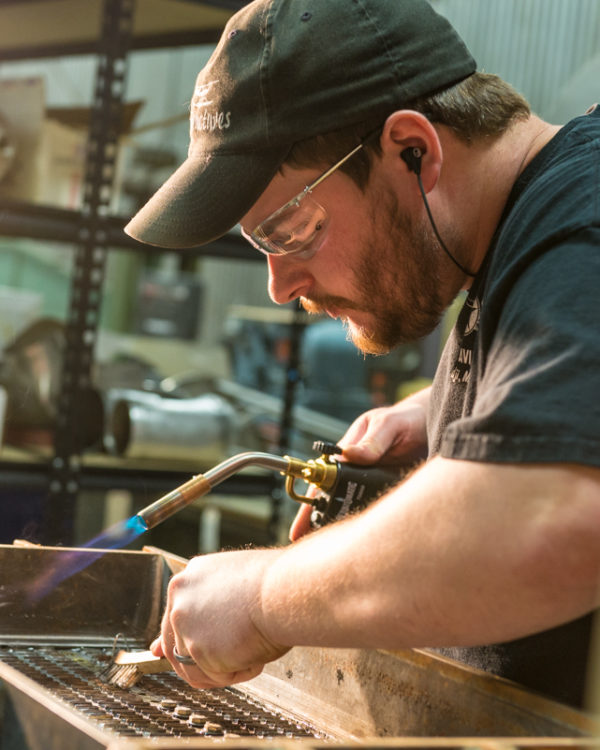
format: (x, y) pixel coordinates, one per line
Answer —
(437, 234)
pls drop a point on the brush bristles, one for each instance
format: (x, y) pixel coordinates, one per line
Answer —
(129, 666)
(123, 676)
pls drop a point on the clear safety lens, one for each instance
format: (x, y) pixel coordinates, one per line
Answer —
(298, 227)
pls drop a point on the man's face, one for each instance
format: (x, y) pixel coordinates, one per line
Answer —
(378, 268)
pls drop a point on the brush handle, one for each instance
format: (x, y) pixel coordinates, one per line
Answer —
(145, 661)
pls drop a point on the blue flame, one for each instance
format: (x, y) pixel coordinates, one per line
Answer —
(75, 560)
(119, 535)
(137, 524)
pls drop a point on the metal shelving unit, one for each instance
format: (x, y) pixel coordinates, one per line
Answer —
(109, 30)
(20, 219)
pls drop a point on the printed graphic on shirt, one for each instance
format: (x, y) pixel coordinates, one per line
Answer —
(202, 117)
(467, 326)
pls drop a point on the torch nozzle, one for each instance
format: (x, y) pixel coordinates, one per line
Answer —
(202, 484)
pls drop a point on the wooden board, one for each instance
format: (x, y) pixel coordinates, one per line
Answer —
(30, 25)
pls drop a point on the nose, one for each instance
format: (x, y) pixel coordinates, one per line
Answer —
(288, 279)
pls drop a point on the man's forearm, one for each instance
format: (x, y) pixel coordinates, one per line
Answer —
(419, 397)
(461, 554)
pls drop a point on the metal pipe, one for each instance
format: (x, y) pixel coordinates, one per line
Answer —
(202, 484)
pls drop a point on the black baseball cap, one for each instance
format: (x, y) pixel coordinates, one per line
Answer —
(283, 71)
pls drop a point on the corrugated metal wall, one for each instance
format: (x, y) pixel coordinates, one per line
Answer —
(536, 45)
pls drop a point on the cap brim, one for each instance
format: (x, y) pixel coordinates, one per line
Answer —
(204, 198)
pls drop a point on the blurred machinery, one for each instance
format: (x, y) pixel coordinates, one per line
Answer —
(334, 378)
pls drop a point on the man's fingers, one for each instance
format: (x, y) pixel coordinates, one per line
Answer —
(301, 524)
(205, 678)
(367, 451)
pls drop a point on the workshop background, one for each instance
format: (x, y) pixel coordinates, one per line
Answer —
(124, 370)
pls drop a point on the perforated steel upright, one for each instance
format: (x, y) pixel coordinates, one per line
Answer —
(89, 266)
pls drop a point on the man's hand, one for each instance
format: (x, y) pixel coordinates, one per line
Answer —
(388, 435)
(213, 614)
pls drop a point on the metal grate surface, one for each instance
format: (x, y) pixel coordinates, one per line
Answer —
(159, 705)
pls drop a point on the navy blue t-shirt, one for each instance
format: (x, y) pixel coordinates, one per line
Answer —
(519, 378)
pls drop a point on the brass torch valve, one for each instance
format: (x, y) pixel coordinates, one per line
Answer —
(344, 487)
(321, 472)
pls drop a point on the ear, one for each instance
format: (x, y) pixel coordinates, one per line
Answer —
(409, 129)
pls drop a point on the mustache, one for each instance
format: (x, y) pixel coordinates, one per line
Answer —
(318, 304)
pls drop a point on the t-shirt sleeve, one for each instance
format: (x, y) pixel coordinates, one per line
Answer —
(538, 398)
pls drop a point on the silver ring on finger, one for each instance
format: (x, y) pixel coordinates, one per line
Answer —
(182, 658)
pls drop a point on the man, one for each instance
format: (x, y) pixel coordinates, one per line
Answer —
(424, 178)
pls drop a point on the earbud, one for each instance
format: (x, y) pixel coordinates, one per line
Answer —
(412, 156)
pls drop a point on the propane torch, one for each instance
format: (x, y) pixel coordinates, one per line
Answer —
(343, 487)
